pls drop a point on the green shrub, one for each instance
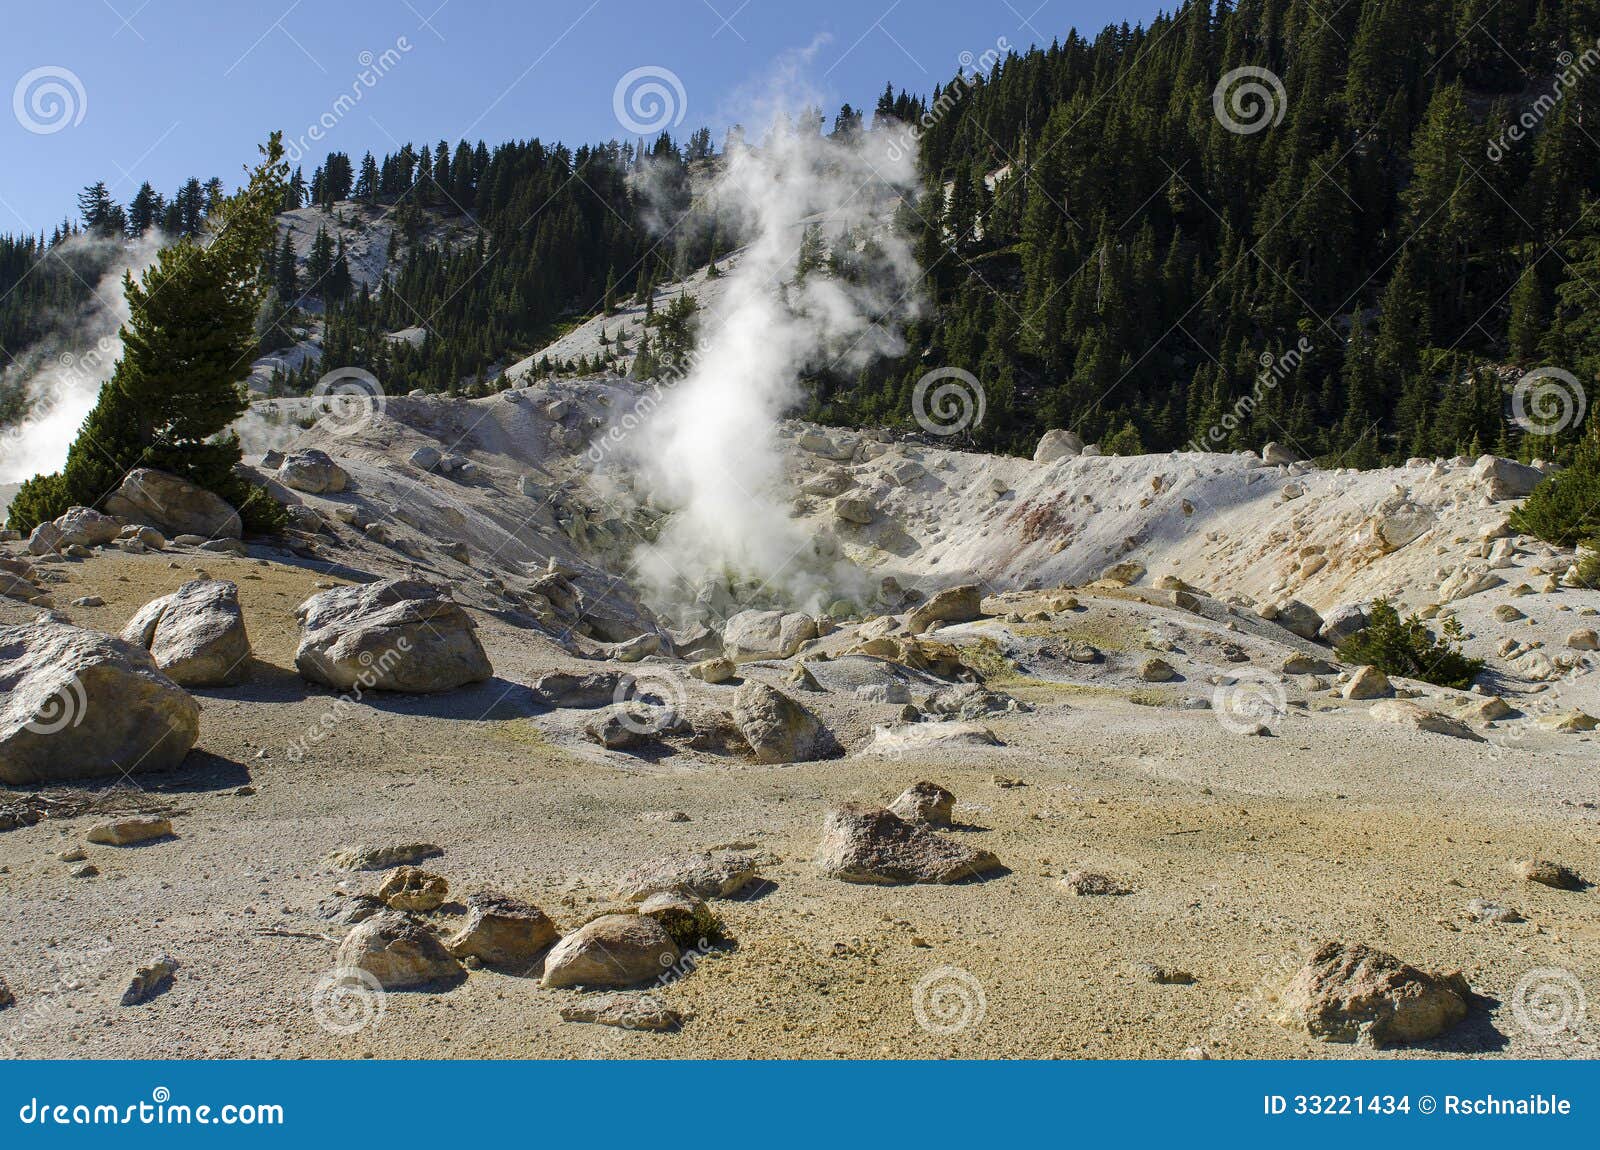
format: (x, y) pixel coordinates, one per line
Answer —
(37, 501)
(1565, 508)
(1406, 647)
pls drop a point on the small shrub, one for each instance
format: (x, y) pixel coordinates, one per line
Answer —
(1407, 648)
(1565, 508)
(38, 500)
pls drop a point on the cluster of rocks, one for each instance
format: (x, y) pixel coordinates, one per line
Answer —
(660, 914)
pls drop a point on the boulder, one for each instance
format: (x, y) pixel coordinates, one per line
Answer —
(78, 704)
(1124, 574)
(410, 888)
(393, 635)
(1547, 872)
(130, 832)
(925, 738)
(865, 844)
(925, 803)
(86, 527)
(854, 509)
(1157, 671)
(1366, 683)
(819, 444)
(45, 539)
(1467, 580)
(778, 729)
(1569, 722)
(17, 587)
(613, 950)
(718, 670)
(1584, 639)
(1294, 616)
(1092, 884)
(960, 604)
(172, 505)
(398, 951)
(596, 689)
(1277, 455)
(1343, 622)
(196, 635)
(1408, 714)
(1505, 478)
(1398, 523)
(425, 458)
(150, 980)
(625, 1011)
(969, 701)
(1057, 444)
(702, 875)
(1351, 993)
(313, 472)
(765, 634)
(382, 857)
(502, 931)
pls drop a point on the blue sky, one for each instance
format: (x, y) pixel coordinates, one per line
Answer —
(158, 90)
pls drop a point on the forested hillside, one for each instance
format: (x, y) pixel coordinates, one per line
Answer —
(1359, 262)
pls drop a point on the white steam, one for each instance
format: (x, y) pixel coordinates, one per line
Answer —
(710, 452)
(61, 375)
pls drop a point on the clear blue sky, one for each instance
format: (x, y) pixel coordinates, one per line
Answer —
(158, 90)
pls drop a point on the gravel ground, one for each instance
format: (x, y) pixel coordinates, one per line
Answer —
(1240, 851)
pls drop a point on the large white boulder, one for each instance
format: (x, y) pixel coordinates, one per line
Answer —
(175, 506)
(196, 635)
(1057, 444)
(77, 704)
(393, 635)
(1505, 478)
(313, 472)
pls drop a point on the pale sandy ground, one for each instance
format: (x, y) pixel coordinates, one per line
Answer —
(1242, 851)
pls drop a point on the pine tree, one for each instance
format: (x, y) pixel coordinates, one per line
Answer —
(187, 346)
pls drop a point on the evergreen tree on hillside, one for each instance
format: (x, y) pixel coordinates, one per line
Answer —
(186, 348)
